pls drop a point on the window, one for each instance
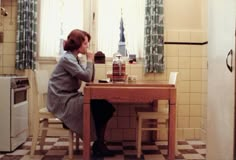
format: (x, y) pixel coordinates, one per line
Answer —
(109, 16)
(57, 19)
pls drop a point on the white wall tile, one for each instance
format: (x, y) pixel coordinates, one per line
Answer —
(184, 50)
(9, 36)
(196, 62)
(183, 87)
(184, 36)
(172, 62)
(9, 60)
(196, 74)
(172, 36)
(184, 62)
(9, 48)
(196, 50)
(197, 36)
(172, 50)
(195, 86)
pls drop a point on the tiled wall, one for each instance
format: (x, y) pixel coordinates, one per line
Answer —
(8, 28)
(192, 87)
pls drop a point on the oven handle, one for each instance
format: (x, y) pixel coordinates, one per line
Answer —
(20, 89)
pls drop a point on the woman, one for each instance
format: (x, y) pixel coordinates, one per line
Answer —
(64, 100)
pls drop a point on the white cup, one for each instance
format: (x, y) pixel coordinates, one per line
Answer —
(132, 78)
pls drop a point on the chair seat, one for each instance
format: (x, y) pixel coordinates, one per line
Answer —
(45, 111)
(43, 118)
(45, 114)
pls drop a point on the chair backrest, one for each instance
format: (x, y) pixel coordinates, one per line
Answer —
(173, 77)
(42, 78)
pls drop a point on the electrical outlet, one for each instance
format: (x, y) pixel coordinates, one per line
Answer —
(1, 37)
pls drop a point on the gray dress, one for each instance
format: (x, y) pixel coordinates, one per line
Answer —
(64, 100)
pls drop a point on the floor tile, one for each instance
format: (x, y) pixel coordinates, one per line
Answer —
(56, 148)
(27, 157)
(19, 152)
(196, 142)
(193, 157)
(185, 147)
(201, 151)
(156, 157)
(56, 152)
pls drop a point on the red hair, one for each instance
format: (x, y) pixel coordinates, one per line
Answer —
(75, 39)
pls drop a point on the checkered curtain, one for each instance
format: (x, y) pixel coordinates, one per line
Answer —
(154, 37)
(26, 34)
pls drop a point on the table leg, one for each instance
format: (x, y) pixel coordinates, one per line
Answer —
(171, 133)
(86, 132)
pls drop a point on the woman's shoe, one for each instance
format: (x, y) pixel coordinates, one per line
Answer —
(101, 150)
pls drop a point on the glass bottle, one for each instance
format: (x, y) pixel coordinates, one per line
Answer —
(118, 68)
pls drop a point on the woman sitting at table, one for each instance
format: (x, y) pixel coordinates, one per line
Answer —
(64, 100)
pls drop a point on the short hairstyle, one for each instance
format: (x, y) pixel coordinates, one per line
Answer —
(75, 39)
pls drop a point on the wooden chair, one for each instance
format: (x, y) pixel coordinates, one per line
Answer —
(43, 118)
(150, 116)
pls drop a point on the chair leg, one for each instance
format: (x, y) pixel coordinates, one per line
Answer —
(70, 144)
(139, 137)
(155, 133)
(35, 137)
(44, 133)
(176, 145)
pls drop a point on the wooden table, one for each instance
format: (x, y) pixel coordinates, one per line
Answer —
(138, 92)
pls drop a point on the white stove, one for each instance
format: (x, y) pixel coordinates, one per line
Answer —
(13, 111)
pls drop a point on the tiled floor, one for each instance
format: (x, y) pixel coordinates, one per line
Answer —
(56, 149)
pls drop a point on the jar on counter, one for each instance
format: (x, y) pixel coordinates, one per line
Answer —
(118, 69)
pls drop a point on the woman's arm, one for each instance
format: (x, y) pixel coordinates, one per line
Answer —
(90, 58)
(93, 73)
(90, 69)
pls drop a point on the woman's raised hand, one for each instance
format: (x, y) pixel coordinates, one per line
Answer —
(90, 56)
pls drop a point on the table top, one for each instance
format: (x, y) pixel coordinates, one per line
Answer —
(130, 84)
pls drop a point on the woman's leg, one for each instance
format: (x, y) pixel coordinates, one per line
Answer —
(102, 112)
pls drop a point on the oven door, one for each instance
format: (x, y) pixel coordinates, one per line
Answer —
(19, 112)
